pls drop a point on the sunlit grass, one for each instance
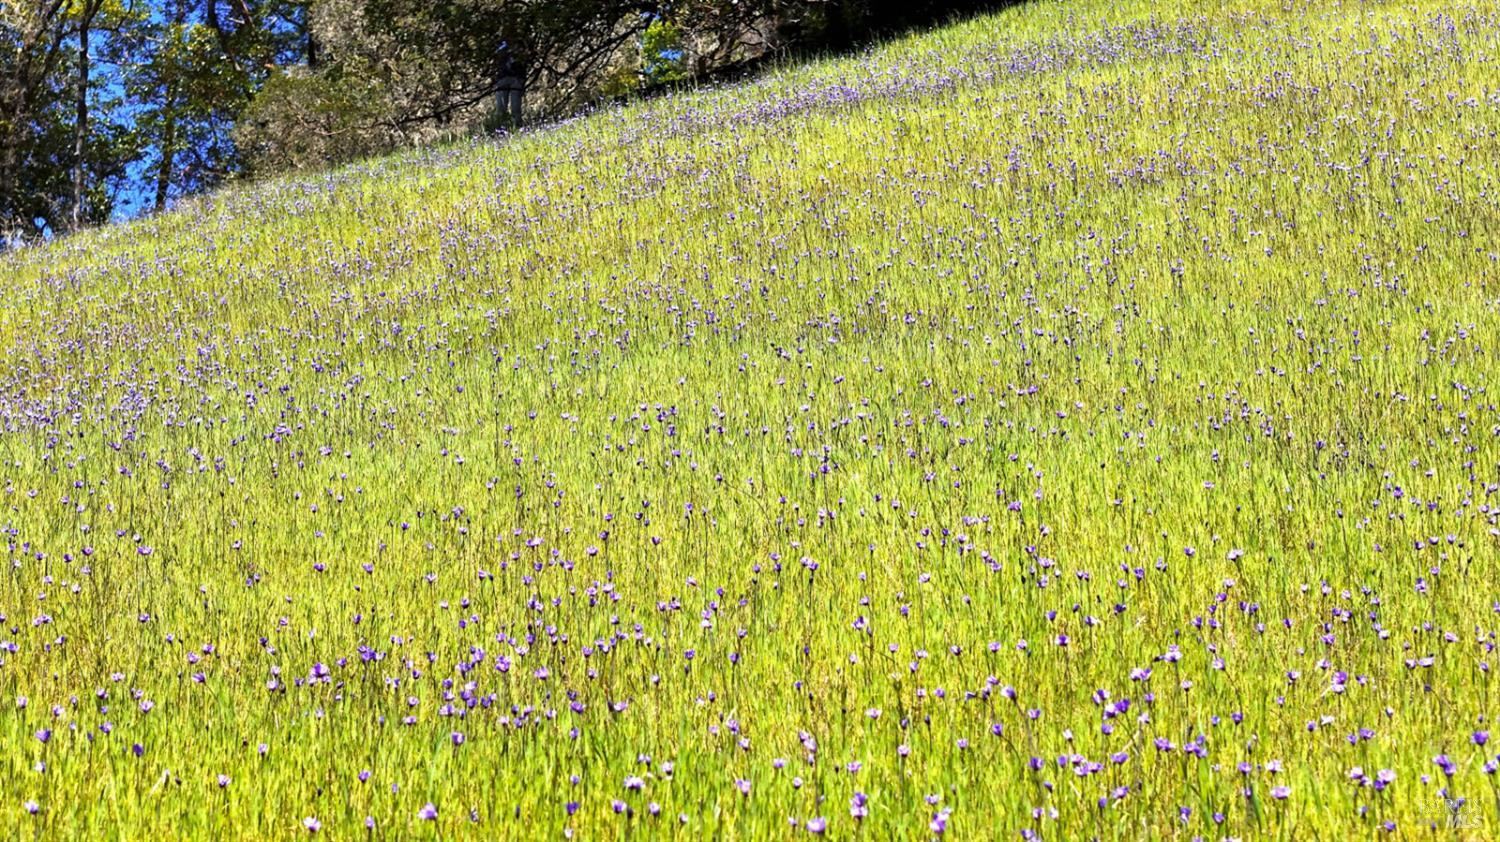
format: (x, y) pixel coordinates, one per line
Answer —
(1036, 352)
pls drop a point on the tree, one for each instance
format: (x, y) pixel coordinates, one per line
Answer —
(199, 68)
(663, 53)
(467, 45)
(396, 72)
(161, 98)
(32, 35)
(65, 140)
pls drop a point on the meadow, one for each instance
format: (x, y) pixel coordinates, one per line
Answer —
(1070, 423)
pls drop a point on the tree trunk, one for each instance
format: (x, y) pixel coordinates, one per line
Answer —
(164, 167)
(211, 11)
(81, 125)
(10, 158)
(37, 62)
(168, 151)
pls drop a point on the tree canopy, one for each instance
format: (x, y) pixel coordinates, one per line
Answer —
(115, 107)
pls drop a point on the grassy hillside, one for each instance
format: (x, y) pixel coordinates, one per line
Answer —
(1073, 422)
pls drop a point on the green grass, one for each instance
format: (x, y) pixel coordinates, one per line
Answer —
(1182, 318)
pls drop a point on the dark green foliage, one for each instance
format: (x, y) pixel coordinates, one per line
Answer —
(63, 144)
(111, 104)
